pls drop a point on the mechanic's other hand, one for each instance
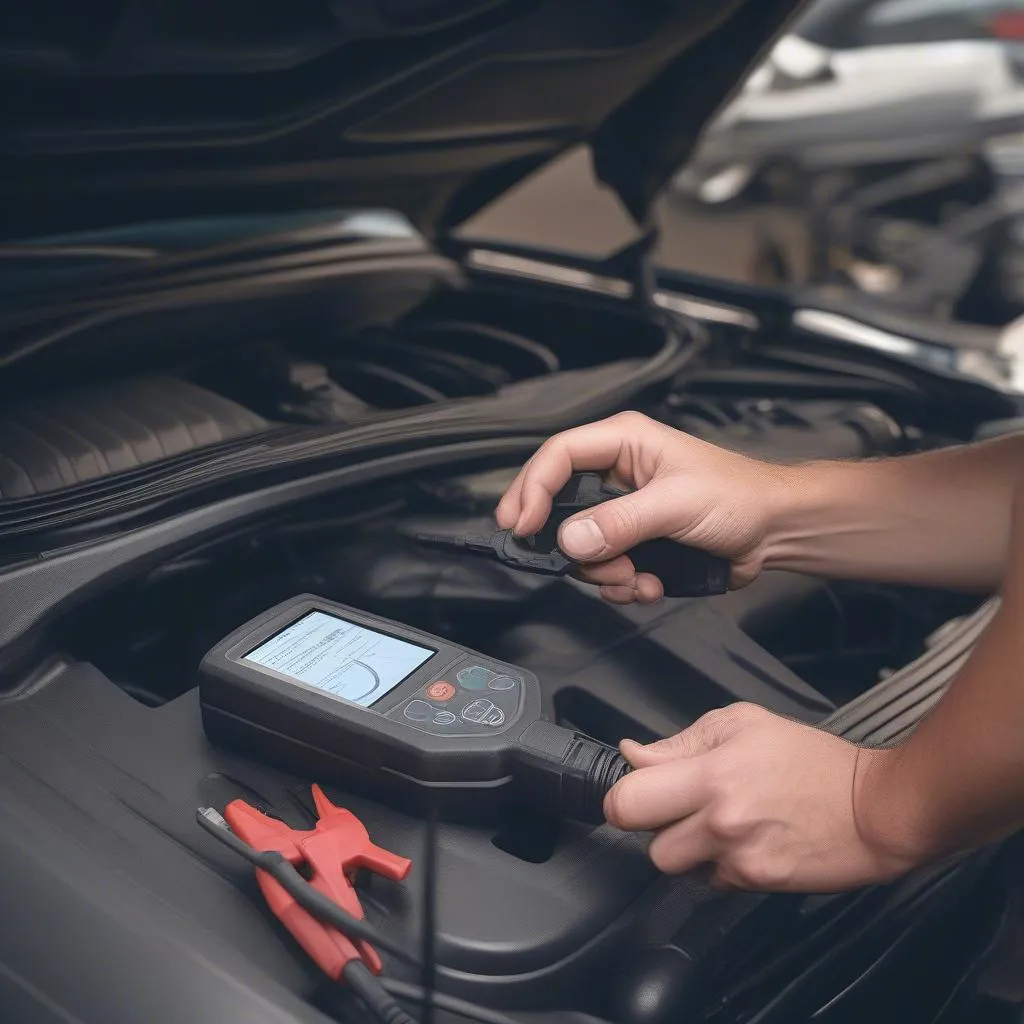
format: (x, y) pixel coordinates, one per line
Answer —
(682, 488)
(774, 805)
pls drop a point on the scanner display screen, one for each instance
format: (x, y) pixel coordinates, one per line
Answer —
(339, 658)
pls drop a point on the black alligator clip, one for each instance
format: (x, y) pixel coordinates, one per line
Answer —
(684, 571)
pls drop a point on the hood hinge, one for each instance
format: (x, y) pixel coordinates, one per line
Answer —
(633, 263)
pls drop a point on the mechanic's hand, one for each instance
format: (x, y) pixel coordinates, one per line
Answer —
(682, 487)
(774, 805)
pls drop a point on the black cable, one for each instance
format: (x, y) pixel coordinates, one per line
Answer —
(325, 909)
(416, 994)
(428, 918)
(378, 1000)
(320, 906)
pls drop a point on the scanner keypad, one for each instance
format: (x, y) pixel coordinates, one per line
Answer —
(471, 700)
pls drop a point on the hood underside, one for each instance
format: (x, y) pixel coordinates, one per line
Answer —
(121, 110)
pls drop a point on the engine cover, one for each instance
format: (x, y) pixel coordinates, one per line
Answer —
(529, 912)
(100, 792)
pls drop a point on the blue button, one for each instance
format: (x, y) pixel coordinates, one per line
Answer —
(475, 677)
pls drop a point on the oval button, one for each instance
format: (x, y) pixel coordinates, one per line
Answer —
(475, 677)
(418, 711)
(501, 683)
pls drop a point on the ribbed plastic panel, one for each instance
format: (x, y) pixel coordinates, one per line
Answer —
(890, 711)
(77, 437)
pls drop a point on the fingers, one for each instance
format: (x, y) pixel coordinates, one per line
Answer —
(620, 583)
(597, 537)
(651, 798)
(706, 734)
(526, 504)
(507, 513)
(646, 589)
(616, 572)
(688, 743)
(683, 846)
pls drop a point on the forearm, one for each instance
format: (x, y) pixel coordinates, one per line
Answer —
(941, 518)
(959, 780)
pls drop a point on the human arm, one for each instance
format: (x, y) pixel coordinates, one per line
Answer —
(958, 781)
(778, 805)
(939, 518)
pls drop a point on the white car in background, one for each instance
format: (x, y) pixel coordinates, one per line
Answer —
(862, 82)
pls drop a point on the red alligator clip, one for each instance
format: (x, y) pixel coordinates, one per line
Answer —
(334, 850)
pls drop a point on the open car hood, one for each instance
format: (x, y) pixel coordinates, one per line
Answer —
(127, 110)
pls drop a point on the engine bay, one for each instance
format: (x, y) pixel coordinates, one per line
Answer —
(100, 725)
(529, 911)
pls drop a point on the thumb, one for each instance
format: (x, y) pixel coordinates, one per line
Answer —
(707, 733)
(615, 526)
(688, 743)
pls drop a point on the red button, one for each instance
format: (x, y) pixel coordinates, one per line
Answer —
(440, 690)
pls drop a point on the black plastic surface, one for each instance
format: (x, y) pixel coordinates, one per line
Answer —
(536, 407)
(99, 793)
(508, 426)
(650, 669)
(888, 712)
(118, 783)
(35, 590)
(77, 437)
(128, 815)
(429, 108)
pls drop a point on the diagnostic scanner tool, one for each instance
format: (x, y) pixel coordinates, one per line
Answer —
(377, 706)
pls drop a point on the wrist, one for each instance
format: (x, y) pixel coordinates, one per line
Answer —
(800, 503)
(890, 813)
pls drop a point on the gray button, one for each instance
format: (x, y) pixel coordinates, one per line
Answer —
(502, 683)
(483, 712)
(418, 711)
(444, 718)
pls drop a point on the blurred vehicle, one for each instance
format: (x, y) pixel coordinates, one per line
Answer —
(941, 238)
(862, 83)
(893, 126)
